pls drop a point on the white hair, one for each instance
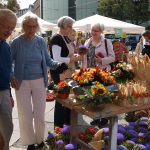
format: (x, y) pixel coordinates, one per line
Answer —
(65, 21)
(29, 18)
(7, 14)
(98, 26)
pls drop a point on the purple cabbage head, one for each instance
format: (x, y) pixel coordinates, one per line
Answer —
(132, 134)
(121, 129)
(129, 127)
(60, 142)
(120, 138)
(65, 130)
(71, 147)
(130, 142)
(134, 124)
(51, 135)
(141, 147)
(142, 129)
(144, 118)
(106, 131)
(122, 147)
(143, 123)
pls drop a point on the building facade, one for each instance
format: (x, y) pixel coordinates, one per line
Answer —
(37, 9)
(53, 9)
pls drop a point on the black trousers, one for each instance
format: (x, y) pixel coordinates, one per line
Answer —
(62, 115)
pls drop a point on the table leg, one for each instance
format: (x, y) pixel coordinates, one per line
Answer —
(73, 126)
(113, 128)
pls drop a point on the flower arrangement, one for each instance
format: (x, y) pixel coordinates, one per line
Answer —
(85, 76)
(95, 96)
(62, 89)
(88, 135)
(82, 50)
(59, 139)
(132, 136)
(122, 72)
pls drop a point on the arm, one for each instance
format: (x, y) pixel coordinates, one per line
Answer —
(56, 50)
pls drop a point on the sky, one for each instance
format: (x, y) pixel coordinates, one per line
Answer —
(25, 3)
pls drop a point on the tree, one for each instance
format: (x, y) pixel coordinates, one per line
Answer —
(3, 3)
(13, 5)
(135, 11)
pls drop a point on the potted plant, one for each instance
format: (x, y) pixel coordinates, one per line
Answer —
(62, 90)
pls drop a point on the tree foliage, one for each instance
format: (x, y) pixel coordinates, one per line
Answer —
(135, 11)
(10, 4)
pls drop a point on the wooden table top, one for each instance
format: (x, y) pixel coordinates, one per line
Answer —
(107, 110)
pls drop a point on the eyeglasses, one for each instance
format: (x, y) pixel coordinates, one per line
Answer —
(7, 28)
(31, 26)
(95, 30)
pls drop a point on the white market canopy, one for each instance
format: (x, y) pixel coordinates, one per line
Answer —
(46, 26)
(109, 24)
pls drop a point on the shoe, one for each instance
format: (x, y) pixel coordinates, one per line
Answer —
(31, 147)
(42, 146)
(99, 122)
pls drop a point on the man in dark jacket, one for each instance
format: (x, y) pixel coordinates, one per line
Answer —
(7, 24)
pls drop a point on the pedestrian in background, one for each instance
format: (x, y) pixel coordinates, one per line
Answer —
(30, 57)
(7, 24)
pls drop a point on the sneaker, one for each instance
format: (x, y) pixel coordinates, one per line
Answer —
(31, 147)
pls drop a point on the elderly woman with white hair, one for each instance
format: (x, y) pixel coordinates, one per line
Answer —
(30, 57)
(100, 52)
(63, 51)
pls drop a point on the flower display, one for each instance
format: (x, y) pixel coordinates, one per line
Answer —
(85, 76)
(82, 50)
(96, 95)
(62, 89)
(123, 72)
(59, 139)
(131, 139)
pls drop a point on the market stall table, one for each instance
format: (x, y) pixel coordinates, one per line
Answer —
(110, 111)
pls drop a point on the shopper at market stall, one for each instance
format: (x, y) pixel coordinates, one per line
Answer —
(146, 49)
(63, 51)
(139, 46)
(7, 24)
(30, 58)
(100, 54)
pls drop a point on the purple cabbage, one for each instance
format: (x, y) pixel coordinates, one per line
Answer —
(65, 130)
(120, 138)
(51, 135)
(71, 147)
(132, 134)
(129, 127)
(106, 131)
(122, 147)
(141, 146)
(142, 129)
(134, 124)
(121, 129)
(144, 118)
(130, 142)
(143, 123)
(60, 142)
(147, 145)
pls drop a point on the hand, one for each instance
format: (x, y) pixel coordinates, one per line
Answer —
(15, 83)
(100, 55)
(98, 59)
(61, 68)
(76, 58)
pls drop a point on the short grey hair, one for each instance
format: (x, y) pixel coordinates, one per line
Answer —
(98, 26)
(6, 13)
(65, 21)
(28, 18)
